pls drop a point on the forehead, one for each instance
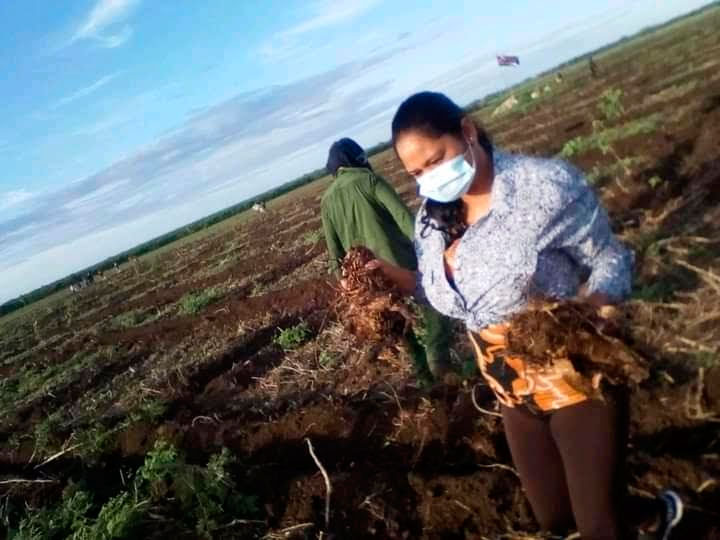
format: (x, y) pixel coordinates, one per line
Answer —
(414, 148)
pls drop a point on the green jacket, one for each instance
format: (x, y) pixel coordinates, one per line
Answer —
(362, 209)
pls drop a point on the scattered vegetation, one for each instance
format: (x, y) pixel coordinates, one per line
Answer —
(128, 319)
(165, 494)
(312, 237)
(327, 359)
(602, 138)
(194, 302)
(291, 338)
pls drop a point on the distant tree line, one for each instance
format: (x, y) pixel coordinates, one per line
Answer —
(156, 243)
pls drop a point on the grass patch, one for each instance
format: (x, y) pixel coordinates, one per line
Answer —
(327, 359)
(31, 381)
(196, 501)
(128, 319)
(598, 173)
(291, 338)
(312, 237)
(194, 302)
(149, 411)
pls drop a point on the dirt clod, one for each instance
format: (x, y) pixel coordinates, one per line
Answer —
(370, 305)
(552, 331)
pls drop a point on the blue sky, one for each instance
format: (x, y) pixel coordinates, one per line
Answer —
(124, 119)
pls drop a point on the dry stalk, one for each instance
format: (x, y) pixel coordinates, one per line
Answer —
(706, 484)
(58, 454)
(27, 481)
(479, 408)
(284, 533)
(328, 486)
(707, 276)
(697, 345)
(693, 401)
(500, 466)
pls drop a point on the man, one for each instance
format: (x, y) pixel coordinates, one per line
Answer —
(360, 208)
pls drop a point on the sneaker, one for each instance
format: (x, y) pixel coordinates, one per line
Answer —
(672, 513)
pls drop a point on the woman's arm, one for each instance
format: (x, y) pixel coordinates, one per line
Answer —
(406, 280)
(581, 229)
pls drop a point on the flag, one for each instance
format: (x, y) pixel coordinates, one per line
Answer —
(504, 60)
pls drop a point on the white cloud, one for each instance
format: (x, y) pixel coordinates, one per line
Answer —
(93, 196)
(13, 198)
(85, 91)
(323, 13)
(331, 12)
(102, 125)
(102, 23)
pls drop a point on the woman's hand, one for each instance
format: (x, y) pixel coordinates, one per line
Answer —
(404, 279)
(605, 309)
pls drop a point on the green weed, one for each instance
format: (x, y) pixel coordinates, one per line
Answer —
(655, 181)
(44, 432)
(706, 359)
(602, 138)
(327, 359)
(149, 411)
(610, 105)
(194, 302)
(128, 319)
(658, 291)
(291, 338)
(598, 173)
(197, 500)
(96, 440)
(312, 237)
(258, 288)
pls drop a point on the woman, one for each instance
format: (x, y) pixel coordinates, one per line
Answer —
(494, 230)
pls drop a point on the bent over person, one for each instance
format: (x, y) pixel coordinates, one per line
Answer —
(361, 209)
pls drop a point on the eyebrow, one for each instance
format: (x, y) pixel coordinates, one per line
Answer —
(428, 161)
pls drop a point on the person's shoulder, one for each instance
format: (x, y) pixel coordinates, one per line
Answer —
(327, 195)
(353, 176)
(330, 195)
(551, 179)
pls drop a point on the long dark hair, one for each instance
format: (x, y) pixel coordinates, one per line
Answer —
(434, 114)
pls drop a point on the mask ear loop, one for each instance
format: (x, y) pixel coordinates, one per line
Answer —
(470, 148)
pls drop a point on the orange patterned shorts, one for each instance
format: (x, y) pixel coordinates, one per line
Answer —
(541, 389)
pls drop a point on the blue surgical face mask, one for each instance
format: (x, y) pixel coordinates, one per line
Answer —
(447, 181)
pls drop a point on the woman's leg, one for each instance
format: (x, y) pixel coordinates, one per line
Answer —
(540, 466)
(587, 437)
